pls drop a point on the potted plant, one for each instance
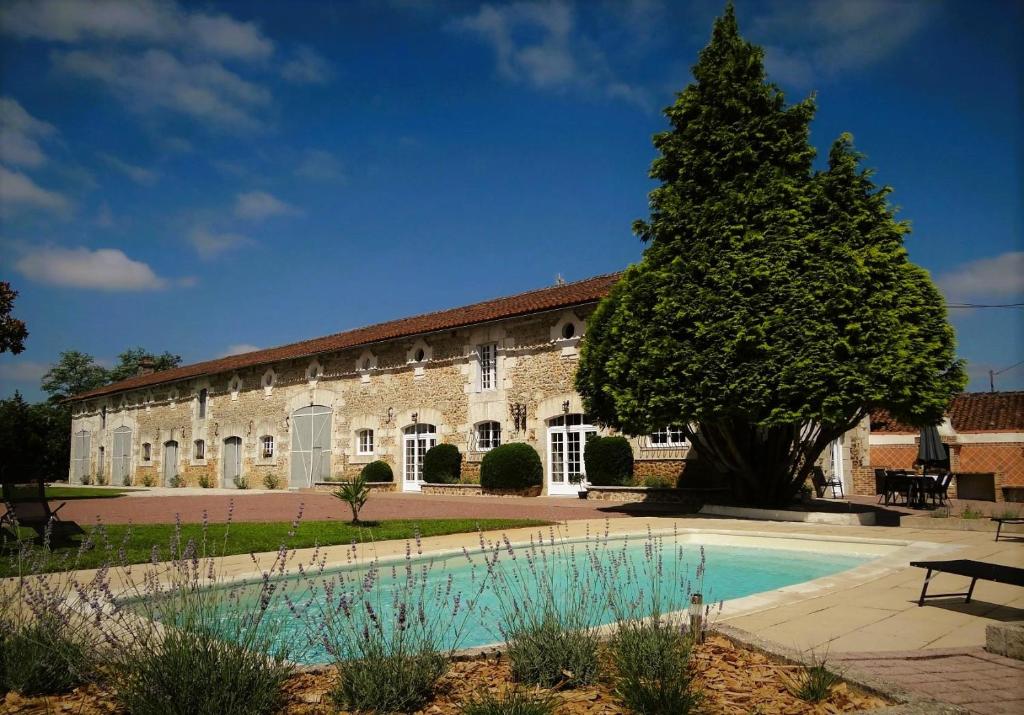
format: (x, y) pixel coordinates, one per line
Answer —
(581, 485)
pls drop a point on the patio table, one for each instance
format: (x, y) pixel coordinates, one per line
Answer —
(919, 489)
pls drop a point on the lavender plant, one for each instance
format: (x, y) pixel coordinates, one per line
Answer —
(390, 629)
(48, 646)
(514, 701)
(549, 622)
(652, 643)
(183, 642)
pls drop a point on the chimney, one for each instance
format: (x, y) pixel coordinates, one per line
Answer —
(146, 365)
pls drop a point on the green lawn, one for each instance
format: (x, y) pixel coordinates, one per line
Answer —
(68, 492)
(244, 538)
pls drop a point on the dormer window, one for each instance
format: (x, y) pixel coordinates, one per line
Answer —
(315, 371)
(568, 331)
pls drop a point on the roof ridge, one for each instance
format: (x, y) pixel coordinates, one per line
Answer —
(321, 344)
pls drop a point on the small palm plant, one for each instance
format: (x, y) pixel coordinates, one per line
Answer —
(354, 492)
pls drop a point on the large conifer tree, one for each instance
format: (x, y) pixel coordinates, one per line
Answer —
(774, 306)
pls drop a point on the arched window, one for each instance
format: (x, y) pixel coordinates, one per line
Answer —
(267, 446)
(364, 441)
(488, 436)
(199, 449)
(147, 452)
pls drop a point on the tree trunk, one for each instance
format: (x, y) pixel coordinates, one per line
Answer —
(765, 466)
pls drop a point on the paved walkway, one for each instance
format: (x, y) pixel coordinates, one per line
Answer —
(983, 683)
(143, 508)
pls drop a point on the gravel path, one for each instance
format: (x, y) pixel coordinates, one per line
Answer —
(284, 506)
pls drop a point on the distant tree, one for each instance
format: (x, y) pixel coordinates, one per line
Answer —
(774, 306)
(20, 441)
(12, 331)
(74, 373)
(128, 363)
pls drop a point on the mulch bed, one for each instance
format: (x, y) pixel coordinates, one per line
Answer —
(735, 680)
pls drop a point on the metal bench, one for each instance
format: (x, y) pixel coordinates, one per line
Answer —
(973, 570)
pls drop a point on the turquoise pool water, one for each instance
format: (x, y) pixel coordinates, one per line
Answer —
(577, 572)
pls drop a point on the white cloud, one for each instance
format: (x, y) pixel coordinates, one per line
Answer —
(258, 205)
(106, 269)
(203, 90)
(138, 174)
(23, 371)
(210, 245)
(307, 67)
(239, 349)
(148, 21)
(20, 134)
(224, 36)
(19, 192)
(805, 43)
(540, 45)
(986, 278)
(320, 165)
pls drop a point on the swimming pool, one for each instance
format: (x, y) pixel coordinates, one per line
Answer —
(464, 595)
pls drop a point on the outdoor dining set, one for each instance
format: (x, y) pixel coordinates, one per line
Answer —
(914, 489)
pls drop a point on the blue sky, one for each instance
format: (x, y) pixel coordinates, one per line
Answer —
(209, 177)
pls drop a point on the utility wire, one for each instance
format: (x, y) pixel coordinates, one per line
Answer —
(978, 305)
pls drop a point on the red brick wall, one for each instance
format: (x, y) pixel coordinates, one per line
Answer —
(1005, 459)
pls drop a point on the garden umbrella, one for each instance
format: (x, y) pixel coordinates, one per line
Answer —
(931, 450)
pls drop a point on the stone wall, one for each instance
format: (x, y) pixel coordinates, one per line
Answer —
(382, 387)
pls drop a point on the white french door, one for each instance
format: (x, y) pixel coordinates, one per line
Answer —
(416, 440)
(567, 437)
(838, 466)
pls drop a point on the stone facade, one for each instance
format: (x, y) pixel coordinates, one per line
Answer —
(430, 379)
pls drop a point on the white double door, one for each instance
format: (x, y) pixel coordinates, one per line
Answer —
(416, 440)
(567, 438)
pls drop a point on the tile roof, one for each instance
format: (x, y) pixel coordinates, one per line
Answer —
(969, 412)
(582, 292)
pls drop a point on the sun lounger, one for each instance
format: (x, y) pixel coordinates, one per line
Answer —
(1000, 520)
(973, 570)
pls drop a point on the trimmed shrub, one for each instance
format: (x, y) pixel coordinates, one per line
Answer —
(271, 481)
(442, 464)
(379, 471)
(609, 461)
(515, 465)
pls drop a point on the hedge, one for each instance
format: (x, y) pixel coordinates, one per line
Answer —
(511, 466)
(609, 461)
(379, 471)
(442, 464)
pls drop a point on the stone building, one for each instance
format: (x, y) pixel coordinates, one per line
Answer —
(476, 376)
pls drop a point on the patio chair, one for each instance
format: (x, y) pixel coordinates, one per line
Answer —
(821, 483)
(896, 484)
(939, 489)
(36, 514)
